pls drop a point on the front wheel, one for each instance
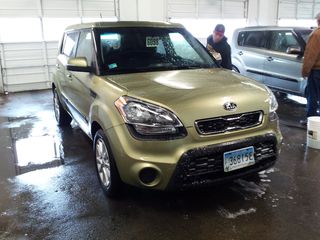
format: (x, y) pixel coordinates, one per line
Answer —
(62, 116)
(105, 165)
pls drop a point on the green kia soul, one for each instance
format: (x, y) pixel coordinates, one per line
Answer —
(160, 111)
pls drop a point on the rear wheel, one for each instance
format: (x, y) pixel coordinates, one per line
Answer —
(106, 168)
(62, 116)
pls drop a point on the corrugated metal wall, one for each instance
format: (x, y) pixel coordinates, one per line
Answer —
(29, 65)
(207, 8)
(298, 9)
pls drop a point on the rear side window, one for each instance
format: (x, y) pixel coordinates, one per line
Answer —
(281, 40)
(69, 44)
(256, 39)
(85, 47)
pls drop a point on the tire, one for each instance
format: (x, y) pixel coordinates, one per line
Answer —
(281, 95)
(62, 116)
(235, 69)
(106, 167)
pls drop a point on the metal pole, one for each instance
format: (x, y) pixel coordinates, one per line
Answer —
(44, 45)
(222, 9)
(296, 10)
(313, 9)
(117, 9)
(258, 12)
(278, 12)
(197, 9)
(1, 78)
(137, 10)
(3, 69)
(80, 10)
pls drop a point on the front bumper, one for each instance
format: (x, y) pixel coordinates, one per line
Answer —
(192, 161)
(204, 166)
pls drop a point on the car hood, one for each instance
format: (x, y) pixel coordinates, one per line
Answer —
(196, 94)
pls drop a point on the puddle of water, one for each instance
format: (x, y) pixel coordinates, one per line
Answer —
(16, 123)
(297, 99)
(37, 153)
(251, 187)
(227, 214)
(30, 154)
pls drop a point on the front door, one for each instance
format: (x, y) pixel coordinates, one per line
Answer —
(68, 50)
(81, 95)
(283, 70)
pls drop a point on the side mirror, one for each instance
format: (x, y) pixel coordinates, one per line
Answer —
(78, 64)
(294, 50)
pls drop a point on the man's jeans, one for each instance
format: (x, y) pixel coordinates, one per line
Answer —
(313, 93)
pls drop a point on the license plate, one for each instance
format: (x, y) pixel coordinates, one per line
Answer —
(237, 159)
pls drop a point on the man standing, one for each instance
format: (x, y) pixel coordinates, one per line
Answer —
(219, 48)
(311, 70)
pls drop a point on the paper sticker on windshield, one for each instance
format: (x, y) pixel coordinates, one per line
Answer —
(152, 41)
(112, 66)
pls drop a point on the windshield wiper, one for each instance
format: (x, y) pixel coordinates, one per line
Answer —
(152, 69)
(187, 67)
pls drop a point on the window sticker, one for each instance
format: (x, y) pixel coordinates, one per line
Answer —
(112, 66)
(110, 36)
(152, 41)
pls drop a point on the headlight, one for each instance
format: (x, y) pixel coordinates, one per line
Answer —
(149, 121)
(273, 103)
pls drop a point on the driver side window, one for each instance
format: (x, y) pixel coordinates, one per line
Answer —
(282, 40)
(69, 44)
(85, 47)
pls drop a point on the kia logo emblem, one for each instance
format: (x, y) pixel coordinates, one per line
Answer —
(230, 106)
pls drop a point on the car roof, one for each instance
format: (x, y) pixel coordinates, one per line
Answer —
(273, 28)
(124, 24)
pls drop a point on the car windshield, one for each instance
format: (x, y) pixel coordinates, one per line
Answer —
(304, 34)
(125, 50)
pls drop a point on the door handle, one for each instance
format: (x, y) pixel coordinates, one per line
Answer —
(57, 66)
(270, 59)
(69, 76)
(240, 53)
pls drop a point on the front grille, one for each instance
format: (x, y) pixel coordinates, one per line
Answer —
(205, 165)
(229, 123)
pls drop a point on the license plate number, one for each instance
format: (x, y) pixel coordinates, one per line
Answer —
(237, 159)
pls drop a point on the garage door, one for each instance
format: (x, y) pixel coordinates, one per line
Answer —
(27, 65)
(57, 8)
(298, 9)
(207, 8)
(27, 28)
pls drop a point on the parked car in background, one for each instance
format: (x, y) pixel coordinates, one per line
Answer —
(161, 113)
(271, 55)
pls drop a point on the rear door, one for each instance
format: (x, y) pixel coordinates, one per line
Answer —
(251, 53)
(283, 70)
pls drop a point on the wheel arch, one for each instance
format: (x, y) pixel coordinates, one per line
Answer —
(237, 64)
(95, 127)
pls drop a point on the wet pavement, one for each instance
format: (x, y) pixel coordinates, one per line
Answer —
(49, 188)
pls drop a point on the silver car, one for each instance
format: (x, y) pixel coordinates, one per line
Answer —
(271, 55)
